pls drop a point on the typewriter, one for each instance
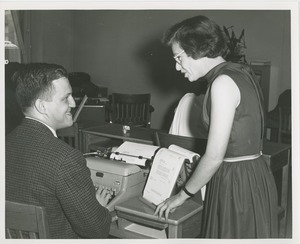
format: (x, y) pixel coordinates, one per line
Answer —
(123, 180)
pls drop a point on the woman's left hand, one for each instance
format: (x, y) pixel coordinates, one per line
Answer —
(169, 205)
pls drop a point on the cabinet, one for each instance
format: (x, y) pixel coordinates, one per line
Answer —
(262, 72)
(137, 221)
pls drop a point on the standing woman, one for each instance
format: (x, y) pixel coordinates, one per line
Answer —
(241, 197)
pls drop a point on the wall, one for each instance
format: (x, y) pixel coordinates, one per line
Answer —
(52, 37)
(121, 49)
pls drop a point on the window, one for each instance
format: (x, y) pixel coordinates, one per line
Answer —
(12, 50)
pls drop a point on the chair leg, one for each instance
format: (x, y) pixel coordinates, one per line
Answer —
(282, 226)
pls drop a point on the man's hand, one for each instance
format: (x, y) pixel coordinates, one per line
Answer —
(103, 196)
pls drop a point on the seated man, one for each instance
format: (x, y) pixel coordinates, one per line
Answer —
(42, 169)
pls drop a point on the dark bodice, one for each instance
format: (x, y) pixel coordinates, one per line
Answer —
(246, 133)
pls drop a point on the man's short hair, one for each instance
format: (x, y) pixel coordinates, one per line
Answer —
(34, 81)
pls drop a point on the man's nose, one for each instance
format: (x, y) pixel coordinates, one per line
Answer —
(72, 103)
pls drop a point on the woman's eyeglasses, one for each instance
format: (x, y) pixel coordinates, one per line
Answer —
(177, 57)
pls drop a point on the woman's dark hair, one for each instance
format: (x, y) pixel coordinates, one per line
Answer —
(34, 81)
(198, 37)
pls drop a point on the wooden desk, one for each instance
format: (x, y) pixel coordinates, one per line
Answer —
(72, 135)
(277, 156)
(184, 222)
(115, 131)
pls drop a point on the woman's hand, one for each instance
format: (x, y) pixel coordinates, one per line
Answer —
(169, 205)
(190, 167)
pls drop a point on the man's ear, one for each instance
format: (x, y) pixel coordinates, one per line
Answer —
(40, 106)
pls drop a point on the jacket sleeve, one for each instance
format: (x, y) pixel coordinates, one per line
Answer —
(76, 194)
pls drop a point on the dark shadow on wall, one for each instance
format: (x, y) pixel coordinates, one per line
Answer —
(160, 66)
(159, 62)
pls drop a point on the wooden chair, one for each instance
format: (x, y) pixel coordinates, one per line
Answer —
(284, 130)
(278, 156)
(126, 109)
(24, 221)
(131, 109)
(278, 121)
(70, 135)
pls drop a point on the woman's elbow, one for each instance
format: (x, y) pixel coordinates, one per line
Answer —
(214, 158)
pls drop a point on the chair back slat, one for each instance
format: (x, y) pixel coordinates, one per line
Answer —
(25, 221)
(285, 125)
(131, 109)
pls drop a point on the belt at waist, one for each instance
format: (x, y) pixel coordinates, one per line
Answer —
(242, 158)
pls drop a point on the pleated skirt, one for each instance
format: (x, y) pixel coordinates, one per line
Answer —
(241, 202)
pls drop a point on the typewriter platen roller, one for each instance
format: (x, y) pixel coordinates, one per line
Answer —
(123, 180)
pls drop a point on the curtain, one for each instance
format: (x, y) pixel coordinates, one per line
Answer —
(21, 20)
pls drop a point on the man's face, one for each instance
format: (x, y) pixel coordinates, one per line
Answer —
(58, 109)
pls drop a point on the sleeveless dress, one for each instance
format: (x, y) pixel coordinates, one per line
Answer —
(241, 197)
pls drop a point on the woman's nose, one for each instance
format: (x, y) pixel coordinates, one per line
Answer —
(178, 66)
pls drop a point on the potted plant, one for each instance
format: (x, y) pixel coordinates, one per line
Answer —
(235, 46)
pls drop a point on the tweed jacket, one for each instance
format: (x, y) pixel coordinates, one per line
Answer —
(42, 169)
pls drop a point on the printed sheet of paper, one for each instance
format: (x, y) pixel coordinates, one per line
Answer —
(134, 153)
(163, 175)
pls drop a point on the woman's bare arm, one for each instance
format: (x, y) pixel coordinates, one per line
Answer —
(225, 97)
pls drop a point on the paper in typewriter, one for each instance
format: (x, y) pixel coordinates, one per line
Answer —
(134, 153)
(163, 175)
